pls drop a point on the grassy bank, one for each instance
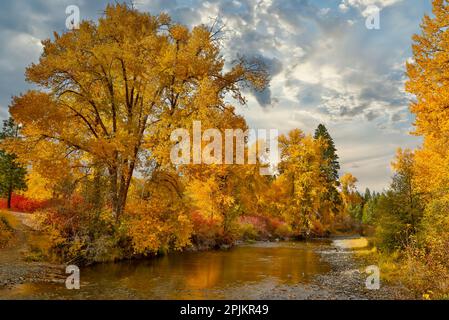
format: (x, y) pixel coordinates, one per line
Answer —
(403, 268)
(6, 230)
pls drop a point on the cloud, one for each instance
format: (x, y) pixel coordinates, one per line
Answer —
(273, 67)
(325, 66)
(365, 7)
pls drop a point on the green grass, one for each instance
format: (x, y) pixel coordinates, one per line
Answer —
(6, 230)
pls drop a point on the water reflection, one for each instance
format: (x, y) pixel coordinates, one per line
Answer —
(190, 275)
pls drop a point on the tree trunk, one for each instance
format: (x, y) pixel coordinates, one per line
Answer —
(119, 191)
(9, 198)
(98, 200)
(113, 193)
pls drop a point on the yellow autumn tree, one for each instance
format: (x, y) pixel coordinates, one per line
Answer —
(303, 184)
(428, 81)
(38, 187)
(349, 189)
(351, 210)
(111, 93)
(222, 192)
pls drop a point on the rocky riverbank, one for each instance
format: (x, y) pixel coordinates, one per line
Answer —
(345, 281)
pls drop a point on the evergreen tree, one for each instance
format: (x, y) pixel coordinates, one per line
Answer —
(331, 166)
(367, 196)
(12, 174)
(329, 153)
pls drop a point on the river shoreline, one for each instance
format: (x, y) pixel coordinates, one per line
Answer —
(344, 281)
(15, 269)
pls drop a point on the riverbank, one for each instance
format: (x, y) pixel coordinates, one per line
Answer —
(324, 269)
(16, 257)
(345, 281)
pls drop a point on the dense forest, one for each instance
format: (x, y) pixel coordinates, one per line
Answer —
(88, 153)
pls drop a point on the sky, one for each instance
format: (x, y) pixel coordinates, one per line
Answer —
(326, 66)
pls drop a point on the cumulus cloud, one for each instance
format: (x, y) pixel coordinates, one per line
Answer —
(363, 5)
(325, 66)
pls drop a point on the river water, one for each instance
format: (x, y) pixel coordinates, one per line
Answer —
(238, 273)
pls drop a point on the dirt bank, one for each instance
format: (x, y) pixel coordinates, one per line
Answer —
(16, 266)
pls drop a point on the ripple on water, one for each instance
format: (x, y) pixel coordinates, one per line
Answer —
(242, 272)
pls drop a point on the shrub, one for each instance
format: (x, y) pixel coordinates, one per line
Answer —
(23, 204)
(6, 231)
(80, 234)
(317, 228)
(282, 231)
(206, 231)
(154, 227)
(263, 228)
(247, 231)
(259, 225)
(427, 263)
(393, 223)
(426, 268)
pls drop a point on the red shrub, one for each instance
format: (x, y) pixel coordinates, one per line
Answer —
(266, 227)
(23, 204)
(207, 232)
(259, 223)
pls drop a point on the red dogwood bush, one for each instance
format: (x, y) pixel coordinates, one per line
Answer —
(23, 204)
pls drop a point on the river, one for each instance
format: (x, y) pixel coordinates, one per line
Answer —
(241, 272)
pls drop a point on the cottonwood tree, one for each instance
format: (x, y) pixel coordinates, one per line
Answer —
(300, 168)
(428, 81)
(111, 93)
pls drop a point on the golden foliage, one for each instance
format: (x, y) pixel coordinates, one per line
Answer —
(300, 167)
(115, 90)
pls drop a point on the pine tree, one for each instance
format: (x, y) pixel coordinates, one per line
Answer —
(329, 154)
(367, 196)
(12, 174)
(330, 199)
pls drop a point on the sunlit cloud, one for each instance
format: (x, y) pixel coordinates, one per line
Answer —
(325, 65)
